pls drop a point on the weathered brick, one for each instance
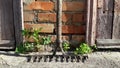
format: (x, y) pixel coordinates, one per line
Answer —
(40, 5)
(66, 17)
(46, 28)
(73, 6)
(47, 17)
(51, 17)
(28, 16)
(78, 17)
(72, 29)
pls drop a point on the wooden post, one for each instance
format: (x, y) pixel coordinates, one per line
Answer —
(59, 26)
(116, 21)
(88, 21)
(94, 21)
(91, 21)
(18, 20)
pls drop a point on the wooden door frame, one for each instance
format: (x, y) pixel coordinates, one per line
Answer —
(18, 20)
(91, 21)
(17, 23)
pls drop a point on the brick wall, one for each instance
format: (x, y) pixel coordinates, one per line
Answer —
(42, 13)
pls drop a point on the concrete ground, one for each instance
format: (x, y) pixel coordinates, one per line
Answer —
(94, 60)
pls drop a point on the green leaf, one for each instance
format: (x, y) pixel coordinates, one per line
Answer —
(83, 49)
(46, 40)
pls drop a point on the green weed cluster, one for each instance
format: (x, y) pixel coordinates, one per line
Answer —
(39, 41)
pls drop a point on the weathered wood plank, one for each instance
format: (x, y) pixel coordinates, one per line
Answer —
(108, 41)
(6, 22)
(91, 21)
(108, 47)
(8, 42)
(105, 20)
(100, 4)
(18, 20)
(94, 21)
(116, 22)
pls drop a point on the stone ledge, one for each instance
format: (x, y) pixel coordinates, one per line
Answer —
(95, 60)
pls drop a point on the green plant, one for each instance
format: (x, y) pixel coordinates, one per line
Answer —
(24, 47)
(83, 49)
(20, 49)
(26, 33)
(94, 47)
(28, 46)
(46, 40)
(35, 35)
(66, 46)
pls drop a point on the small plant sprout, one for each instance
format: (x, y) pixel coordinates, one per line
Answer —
(83, 49)
(27, 46)
(35, 35)
(46, 40)
(66, 46)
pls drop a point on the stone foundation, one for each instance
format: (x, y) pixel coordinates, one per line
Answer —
(94, 60)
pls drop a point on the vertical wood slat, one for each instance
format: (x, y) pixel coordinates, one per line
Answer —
(18, 20)
(6, 21)
(94, 21)
(91, 21)
(6, 24)
(116, 22)
(105, 20)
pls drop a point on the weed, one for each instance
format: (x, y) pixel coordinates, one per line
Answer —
(46, 40)
(83, 49)
(66, 46)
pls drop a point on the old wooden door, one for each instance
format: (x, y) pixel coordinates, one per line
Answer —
(9, 23)
(108, 31)
(7, 33)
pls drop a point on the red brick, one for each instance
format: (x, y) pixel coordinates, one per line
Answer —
(78, 17)
(40, 5)
(46, 28)
(51, 17)
(73, 6)
(47, 17)
(70, 29)
(28, 16)
(66, 17)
